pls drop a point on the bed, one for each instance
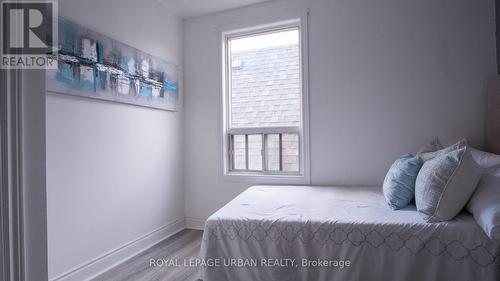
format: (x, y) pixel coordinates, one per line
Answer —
(339, 233)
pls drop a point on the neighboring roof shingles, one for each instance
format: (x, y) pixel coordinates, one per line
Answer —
(266, 87)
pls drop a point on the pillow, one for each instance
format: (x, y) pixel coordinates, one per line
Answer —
(399, 183)
(484, 205)
(445, 184)
(487, 161)
(432, 146)
(426, 156)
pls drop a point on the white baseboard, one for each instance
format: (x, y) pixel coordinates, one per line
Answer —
(195, 223)
(114, 257)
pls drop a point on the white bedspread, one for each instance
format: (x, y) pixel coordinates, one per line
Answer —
(280, 232)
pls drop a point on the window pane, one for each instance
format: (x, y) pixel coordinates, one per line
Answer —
(255, 152)
(239, 159)
(273, 152)
(265, 80)
(290, 152)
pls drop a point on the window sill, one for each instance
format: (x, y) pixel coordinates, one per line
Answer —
(263, 178)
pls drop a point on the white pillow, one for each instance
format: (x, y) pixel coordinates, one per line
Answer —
(445, 184)
(485, 205)
(487, 161)
(426, 156)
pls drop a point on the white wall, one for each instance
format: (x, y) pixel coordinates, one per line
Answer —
(114, 171)
(385, 76)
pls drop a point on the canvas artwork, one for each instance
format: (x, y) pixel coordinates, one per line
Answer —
(96, 66)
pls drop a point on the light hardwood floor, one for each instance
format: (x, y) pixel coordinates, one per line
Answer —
(183, 245)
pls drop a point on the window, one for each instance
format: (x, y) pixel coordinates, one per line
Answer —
(264, 101)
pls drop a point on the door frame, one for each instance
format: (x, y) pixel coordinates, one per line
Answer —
(23, 213)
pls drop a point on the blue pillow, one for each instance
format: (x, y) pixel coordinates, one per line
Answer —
(399, 183)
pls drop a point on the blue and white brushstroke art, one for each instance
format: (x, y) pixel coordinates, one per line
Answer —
(96, 66)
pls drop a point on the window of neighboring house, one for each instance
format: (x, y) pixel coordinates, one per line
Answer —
(264, 101)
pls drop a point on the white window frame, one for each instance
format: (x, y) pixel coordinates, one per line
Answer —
(245, 29)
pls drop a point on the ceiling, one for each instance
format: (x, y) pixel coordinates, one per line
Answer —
(194, 8)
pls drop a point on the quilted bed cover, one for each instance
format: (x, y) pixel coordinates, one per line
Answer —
(339, 233)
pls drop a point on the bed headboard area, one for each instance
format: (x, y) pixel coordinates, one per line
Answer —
(494, 116)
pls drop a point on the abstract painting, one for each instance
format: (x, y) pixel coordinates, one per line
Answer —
(93, 65)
